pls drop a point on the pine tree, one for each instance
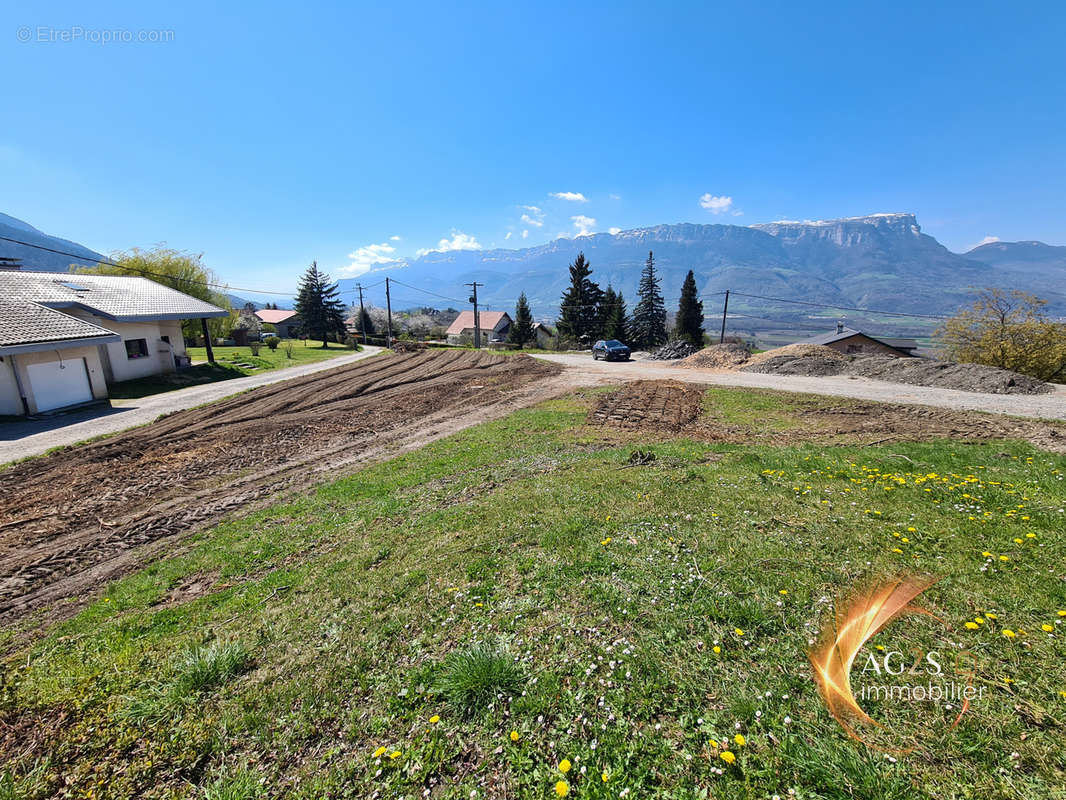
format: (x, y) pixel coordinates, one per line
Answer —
(648, 326)
(521, 332)
(581, 306)
(689, 325)
(614, 315)
(320, 309)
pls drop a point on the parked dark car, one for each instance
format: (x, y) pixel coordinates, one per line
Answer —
(610, 350)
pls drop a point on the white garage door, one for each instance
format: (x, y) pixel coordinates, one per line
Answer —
(60, 383)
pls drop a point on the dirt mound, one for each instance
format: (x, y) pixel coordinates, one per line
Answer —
(718, 356)
(679, 348)
(947, 375)
(797, 350)
(811, 366)
(650, 406)
(82, 515)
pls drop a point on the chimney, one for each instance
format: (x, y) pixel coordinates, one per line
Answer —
(840, 327)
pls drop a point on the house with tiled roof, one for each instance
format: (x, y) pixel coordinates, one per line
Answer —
(64, 338)
(494, 325)
(286, 322)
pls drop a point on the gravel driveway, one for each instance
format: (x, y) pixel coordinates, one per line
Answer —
(33, 437)
(1040, 406)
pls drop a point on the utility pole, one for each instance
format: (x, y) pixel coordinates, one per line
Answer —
(362, 324)
(477, 318)
(725, 308)
(388, 306)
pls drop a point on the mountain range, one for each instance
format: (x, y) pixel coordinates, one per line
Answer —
(880, 261)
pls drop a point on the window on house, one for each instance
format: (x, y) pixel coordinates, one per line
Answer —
(136, 348)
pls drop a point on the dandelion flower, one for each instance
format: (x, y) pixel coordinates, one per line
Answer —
(713, 744)
(1004, 558)
(1047, 628)
(604, 776)
(716, 649)
(782, 591)
(1062, 613)
(1030, 536)
(1017, 540)
(562, 788)
(564, 765)
(434, 719)
(972, 626)
(380, 752)
(740, 740)
(991, 616)
(394, 754)
(1009, 633)
(514, 736)
(738, 631)
(727, 756)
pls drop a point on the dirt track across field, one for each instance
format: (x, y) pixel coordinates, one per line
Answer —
(73, 519)
(676, 407)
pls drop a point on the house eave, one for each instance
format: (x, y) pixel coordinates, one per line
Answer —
(62, 344)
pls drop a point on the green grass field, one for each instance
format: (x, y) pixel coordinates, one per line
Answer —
(231, 362)
(462, 620)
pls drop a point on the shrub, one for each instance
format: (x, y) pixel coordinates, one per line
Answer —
(1008, 330)
(272, 342)
(472, 678)
(254, 347)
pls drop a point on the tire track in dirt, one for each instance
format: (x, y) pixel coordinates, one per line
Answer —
(80, 516)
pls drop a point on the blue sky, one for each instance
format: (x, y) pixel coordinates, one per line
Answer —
(268, 135)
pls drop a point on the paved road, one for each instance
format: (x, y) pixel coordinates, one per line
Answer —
(33, 437)
(1043, 406)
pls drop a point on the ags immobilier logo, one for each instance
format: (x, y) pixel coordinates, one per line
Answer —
(922, 682)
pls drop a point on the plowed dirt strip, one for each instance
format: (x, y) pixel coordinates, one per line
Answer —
(85, 514)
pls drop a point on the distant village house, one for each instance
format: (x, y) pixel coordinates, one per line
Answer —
(495, 325)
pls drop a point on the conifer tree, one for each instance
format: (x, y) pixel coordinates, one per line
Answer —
(648, 325)
(689, 324)
(581, 306)
(320, 309)
(614, 315)
(521, 332)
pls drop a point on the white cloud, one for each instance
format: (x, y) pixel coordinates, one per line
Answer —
(459, 241)
(573, 197)
(364, 258)
(508, 236)
(395, 238)
(615, 196)
(715, 204)
(534, 216)
(525, 234)
(613, 231)
(583, 224)
(986, 240)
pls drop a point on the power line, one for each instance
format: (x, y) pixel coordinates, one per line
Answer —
(427, 291)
